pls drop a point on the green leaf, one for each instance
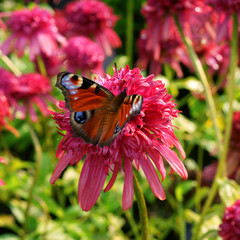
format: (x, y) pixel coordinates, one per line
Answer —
(182, 188)
(229, 191)
(190, 83)
(121, 61)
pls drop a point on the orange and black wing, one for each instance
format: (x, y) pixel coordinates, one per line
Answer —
(82, 94)
(115, 122)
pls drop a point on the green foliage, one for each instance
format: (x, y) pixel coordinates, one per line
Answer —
(54, 211)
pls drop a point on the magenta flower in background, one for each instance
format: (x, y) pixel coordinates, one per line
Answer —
(63, 25)
(203, 36)
(35, 28)
(160, 42)
(159, 18)
(94, 19)
(230, 227)
(224, 8)
(144, 142)
(233, 157)
(172, 52)
(7, 83)
(32, 89)
(83, 54)
(5, 115)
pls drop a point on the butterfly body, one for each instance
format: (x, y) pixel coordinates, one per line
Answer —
(97, 116)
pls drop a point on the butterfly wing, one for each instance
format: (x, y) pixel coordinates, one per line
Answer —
(97, 116)
(84, 98)
(114, 123)
(82, 94)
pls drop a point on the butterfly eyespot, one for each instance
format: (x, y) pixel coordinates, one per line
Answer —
(80, 117)
(117, 129)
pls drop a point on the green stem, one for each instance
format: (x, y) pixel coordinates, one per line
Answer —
(132, 224)
(199, 178)
(41, 66)
(142, 208)
(129, 31)
(10, 64)
(202, 76)
(222, 158)
(182, 222)
(38, 151)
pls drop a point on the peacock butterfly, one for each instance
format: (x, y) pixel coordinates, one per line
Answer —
(97, 116)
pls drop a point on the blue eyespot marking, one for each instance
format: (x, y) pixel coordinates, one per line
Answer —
(80, 117)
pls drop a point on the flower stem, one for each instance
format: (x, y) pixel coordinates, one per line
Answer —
(199, 179)
(10, 64)
(222, 158)
(142, 208)
(41, 66)
(38, 151)
(202, 76)
(129, 31)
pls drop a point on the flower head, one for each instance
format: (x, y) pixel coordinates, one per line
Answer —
(172, 52)
(230, 227)
(7, 82)
(32, 88)
(224, 10)
(161, 40)
(84, 54)
(5, 114)
(35, 27)
(63, 25)
(159, 14)
(94, 18)
(145, 140)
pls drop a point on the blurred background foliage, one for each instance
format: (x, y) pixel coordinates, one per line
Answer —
(54, 212)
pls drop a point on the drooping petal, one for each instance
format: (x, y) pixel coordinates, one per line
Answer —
(61, 165)
(91, 183)
(173, 159)
(128, 191)
(113, 178)
(158, 161)
(170, 136)
(152, 178)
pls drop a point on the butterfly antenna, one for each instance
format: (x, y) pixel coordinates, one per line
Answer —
(115, 65)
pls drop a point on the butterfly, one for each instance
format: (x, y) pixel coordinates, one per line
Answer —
(96, 114)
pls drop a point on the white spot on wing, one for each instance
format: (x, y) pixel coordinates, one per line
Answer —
(73, 92)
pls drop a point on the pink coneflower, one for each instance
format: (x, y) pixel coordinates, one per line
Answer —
(94, 19)
(159, 18)
(7, 82)
(63, 25)
(203, 35)
(172, 52)
(83, 54)
(2, 160)
(34, 27)
(233, 157)
(230, 227)
(224, 9)
(146, 139)
(5, 114)
(32, 89)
